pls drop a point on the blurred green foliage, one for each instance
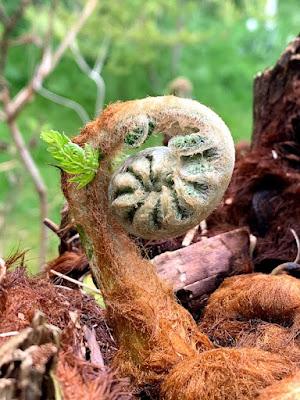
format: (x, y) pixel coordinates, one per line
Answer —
(218, 44)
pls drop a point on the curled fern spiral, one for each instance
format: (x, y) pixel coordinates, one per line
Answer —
(162, 192)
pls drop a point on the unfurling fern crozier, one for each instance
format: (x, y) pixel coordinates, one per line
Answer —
(162, 192)
(159, 192)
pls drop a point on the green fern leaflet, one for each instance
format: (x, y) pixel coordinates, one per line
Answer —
(83, 163)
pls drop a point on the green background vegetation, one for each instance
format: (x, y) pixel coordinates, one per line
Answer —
(151, 42)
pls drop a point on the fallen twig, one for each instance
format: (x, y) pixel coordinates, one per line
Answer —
(8, 334)
(67, 278)
(52, 226)
(189, 236)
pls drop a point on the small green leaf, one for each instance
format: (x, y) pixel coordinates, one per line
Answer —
(88, 280)
(73, 159)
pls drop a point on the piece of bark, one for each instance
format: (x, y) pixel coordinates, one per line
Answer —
(277, 100)
(197, 270)
(93, 345)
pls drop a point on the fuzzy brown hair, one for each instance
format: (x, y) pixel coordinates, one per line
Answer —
(225, 374)
(267, 297)
(256, 310)
(80, 380)
(76, 386)
(21, 297)
(287, 389)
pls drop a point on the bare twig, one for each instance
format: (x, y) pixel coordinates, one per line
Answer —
(8, 334)
(24, 96)
(203, 228)
(73, 32)
(67, 278)
(3, 16)
(51, 225)
(26, 39)
(98, 67)
(17, 15)
(63, 287)
(94, 73)
(49, 62)
(100, 97)
(289, 266)
(102, 55)
(189, 236)
(82, 64)
(64, 101)
(253, 243)
(9, 24)
(75, 237)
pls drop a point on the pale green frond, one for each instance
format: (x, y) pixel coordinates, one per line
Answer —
(83, 163)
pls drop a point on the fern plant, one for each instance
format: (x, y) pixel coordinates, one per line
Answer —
(83, 163)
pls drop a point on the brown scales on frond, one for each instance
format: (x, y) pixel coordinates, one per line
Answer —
(225, 374)
(267, 297)
(256, 310)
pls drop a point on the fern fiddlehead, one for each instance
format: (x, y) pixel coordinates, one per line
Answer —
(152, 330)
(162, 192)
